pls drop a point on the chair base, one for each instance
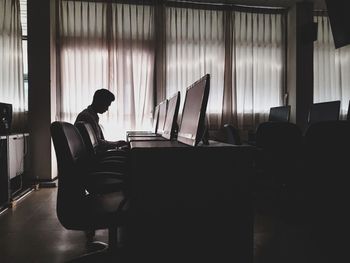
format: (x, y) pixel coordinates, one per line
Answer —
(95, 246)
(105, 256)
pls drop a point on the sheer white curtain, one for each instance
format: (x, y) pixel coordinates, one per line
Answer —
(195, 45)
(11, 61)
(257, 65)
(243, 53)
(105, 45)
(331, 67)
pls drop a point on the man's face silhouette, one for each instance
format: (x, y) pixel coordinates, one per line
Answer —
(103, 107)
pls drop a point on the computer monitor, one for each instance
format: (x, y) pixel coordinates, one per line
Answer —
(171, 116)
(162, 115)
(155, 119)
(324, 111)
(193, 113)
(5, 118)
(280, 113)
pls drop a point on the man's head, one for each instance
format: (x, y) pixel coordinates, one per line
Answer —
(102, 100)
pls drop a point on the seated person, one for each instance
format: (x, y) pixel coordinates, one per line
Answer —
(101, 101)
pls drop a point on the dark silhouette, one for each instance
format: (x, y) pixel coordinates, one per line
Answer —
(101, 101)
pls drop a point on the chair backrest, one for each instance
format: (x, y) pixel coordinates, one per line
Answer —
(328, 142)
(278, 135)
(71, 161)
(232, 134)
(280, 113)
(281, 144)
(89, 137)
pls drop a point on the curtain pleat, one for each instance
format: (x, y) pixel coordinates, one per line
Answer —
(107, 45)
(195, 46)
(331, 67)
(11, 62)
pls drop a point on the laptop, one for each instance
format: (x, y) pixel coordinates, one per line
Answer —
(170, 125)
(160, 125)
(154, 126)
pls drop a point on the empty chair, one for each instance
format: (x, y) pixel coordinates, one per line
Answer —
(326, 176)
(281, 144)
(81, 205)
(280, 113)
(278, 165)
(232, 134)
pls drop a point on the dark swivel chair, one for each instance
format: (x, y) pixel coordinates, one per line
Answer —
(326, 175)
(276, 114)
(232, 135)
(278, 164)
(83, 201)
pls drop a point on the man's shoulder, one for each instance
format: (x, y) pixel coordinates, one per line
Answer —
(84, 115)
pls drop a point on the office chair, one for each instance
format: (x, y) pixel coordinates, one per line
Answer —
(110, 160)
(232, 134)
(85, 200)
(278, 164)
(326, 181)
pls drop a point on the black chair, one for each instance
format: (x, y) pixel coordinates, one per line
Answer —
(326, 178)
(278, 166)
(83, 200)
(232, 134)
(281, 144)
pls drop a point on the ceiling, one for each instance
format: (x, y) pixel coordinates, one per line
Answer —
(318, 4)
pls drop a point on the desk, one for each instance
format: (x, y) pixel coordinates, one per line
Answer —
(191, 204)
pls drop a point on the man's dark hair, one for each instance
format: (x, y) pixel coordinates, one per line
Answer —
(103, 96)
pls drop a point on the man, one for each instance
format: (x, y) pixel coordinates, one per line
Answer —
(101, 101)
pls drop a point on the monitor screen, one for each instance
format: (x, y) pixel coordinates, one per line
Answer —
(171, 116)
(193, 113)
(324, 111)
(162, 115)
(155, 119)
(280, 114)
(5, 118)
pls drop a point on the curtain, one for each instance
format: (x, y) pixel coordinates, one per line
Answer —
(146, 53)
(331, 67)
(243, 53)
(11, 61)
(257, 70)
(195, 46)
(107, 45)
